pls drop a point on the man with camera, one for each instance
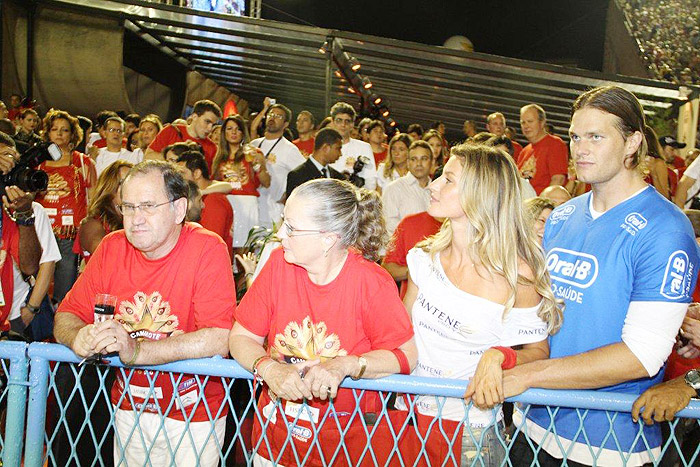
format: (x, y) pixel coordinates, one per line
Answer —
(357, 159)
(20, 246)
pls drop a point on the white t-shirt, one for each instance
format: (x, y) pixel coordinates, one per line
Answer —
(383, 181)
(693, 171)
(50, 252)
(282, 157)
(106, 158)
(350, 152)
(402, 198)
(453, 329)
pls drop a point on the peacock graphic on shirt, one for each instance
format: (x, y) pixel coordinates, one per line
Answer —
(529, 167)
(306, 341)
(148, 316)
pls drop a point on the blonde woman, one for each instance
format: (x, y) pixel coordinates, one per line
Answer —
(396, 163)
(475, 290)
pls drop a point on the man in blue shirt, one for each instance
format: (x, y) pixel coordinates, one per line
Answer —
(624, 261)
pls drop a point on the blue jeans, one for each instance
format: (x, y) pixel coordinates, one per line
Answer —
(66, 269)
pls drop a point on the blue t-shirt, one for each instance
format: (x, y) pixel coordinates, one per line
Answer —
(643, 249)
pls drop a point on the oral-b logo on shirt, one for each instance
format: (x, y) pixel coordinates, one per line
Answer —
(677, 277)
(561, 214)
(634, 222)
(572, 267)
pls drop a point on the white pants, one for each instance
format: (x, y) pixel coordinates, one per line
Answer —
(150, 444)
(245, 217)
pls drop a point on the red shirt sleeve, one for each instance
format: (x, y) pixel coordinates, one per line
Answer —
(214, 297)
(217, 215)
(558, 160)
(165, 137)
(385, 321)
(397, 249)
(255, 310)
(80, 300)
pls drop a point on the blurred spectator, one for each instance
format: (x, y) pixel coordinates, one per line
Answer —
(342, 116)
(28, 123)
(539, 209)
(114, 134)
(305, 127)
(327, 150)
(396, 163)
(377, 138)
(659, 174)
(496, 124)
(132, 124)
(557, 194)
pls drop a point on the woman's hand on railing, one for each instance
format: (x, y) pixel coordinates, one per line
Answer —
(285, 380)
(323, 379)
(486, 387)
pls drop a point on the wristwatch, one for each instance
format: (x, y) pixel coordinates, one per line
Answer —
(25, 218)
(33, 309)
(692, 379)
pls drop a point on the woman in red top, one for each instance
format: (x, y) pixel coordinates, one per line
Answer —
(66, 198)
(327, 311)
(103, 216)
(244, 167)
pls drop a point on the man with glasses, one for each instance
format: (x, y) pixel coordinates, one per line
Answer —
(174, 300)
(205, 114)
(282, 157)
(114, 132)
(409, 194)
(342, 120)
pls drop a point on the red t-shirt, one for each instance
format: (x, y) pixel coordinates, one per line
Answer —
(357, 312)
(517, 149)
(217, 216)
(10, 251)
(178, 133)
(65, 199)
(411, 230)
(543, 160)
(241, 175)
(380, 156)
(305, 147)
(189, 289)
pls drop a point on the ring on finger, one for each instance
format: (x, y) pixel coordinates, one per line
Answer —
(115, 339)
(326, 389)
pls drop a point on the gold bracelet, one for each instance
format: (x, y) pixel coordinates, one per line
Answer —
(136, 353)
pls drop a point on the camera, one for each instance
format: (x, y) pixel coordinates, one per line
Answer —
(357, 167)
(24, 175)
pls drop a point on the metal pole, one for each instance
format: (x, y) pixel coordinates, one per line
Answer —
(329, 75)
(30, 49)
(16, 403)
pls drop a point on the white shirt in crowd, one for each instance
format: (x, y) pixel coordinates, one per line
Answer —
(50, 252)
(282, 157)
(402, 198)
(106, 158)
(349, 154)
(383, 181)
(693, 171)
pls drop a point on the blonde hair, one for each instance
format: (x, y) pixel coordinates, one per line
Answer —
(389, 163)
(499, 231)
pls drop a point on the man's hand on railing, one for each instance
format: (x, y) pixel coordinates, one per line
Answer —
(486, 387)
(661, 402)
(110, 336)
(82, 344)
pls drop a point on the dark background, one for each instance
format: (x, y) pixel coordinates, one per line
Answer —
(564, 32)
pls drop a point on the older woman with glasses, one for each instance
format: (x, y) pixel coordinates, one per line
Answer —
(327, 311)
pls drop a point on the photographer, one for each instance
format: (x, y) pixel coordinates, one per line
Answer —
(20, 245)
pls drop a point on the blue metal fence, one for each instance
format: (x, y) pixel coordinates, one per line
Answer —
(70, 419)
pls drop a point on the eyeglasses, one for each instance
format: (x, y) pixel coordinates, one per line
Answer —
(275, 116)
(292, 232)
(115, 130)
(128, 209)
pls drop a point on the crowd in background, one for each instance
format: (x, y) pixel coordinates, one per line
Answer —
(668, 33)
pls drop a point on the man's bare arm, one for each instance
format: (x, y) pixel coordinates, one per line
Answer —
(605, 366)
(681, 195)
(29, 246)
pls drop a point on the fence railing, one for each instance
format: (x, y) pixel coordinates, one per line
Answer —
(73, 417)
